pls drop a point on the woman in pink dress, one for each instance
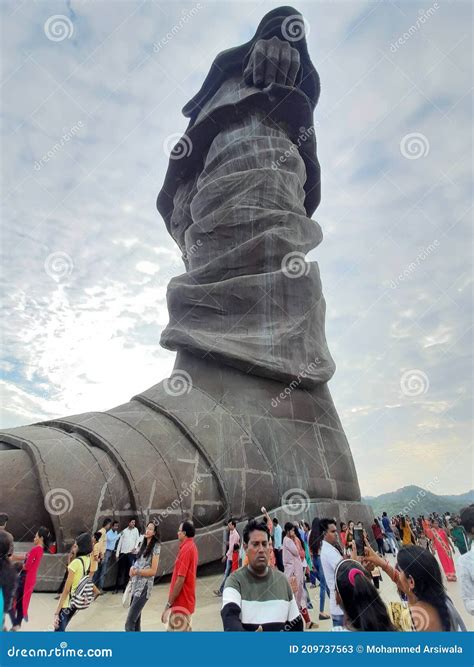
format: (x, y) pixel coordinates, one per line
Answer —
(444, 548)
(27, 579)
(294, 572)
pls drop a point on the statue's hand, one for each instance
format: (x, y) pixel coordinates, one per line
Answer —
(272, 61)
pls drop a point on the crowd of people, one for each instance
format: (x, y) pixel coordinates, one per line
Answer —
(349, 571)
(269, 572)
(134, 558)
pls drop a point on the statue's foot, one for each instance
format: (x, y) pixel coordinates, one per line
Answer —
(208, 443)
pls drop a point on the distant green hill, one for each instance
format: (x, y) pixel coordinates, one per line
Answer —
(414, 500)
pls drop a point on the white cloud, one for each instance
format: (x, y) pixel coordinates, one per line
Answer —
(91, 341)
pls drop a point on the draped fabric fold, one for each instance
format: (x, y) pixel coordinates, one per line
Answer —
(249, 298)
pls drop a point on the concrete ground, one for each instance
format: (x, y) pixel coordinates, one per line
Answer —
(107, 613)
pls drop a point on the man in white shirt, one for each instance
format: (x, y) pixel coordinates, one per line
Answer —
(278, 544)
(330, 557)
(466, 561)
(126, 551)
(234, 541)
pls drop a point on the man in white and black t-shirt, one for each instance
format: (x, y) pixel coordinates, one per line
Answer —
(258, 597)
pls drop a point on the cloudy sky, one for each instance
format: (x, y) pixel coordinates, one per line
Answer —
(86, 257)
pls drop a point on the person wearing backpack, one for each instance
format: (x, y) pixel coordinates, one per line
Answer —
(78, 590)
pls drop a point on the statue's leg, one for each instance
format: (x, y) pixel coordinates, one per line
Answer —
(239, 301)
(248, 332)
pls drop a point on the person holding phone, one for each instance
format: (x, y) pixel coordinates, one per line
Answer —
(418, 578)
(359, 540)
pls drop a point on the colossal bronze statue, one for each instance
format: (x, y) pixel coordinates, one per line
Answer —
(246, 419)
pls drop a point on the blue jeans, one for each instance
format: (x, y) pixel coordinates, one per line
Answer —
(65, 616)
(134, 616)
(392, 543)
(337, 620)
(228, 570)
(104, 566)
(323, 589)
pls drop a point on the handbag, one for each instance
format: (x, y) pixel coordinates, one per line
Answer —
(127, 596)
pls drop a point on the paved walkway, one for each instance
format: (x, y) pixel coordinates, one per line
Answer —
(107, 613)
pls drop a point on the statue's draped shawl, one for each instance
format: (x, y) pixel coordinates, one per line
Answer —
(295, 106)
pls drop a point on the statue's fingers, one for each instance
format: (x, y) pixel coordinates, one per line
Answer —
(271, 65)
(248, 73)
(259, 68)
(283, 64)
(294, 68)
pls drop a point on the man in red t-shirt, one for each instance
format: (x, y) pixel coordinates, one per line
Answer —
(182, 596)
